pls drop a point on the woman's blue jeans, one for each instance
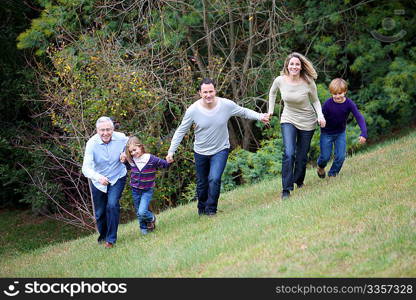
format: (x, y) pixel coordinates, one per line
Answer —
(338, 142)
(296, 144)
(141, 201)
(209, 169)
(107, 209)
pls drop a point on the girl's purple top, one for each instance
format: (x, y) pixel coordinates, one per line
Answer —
(336, 115)
(145, 178)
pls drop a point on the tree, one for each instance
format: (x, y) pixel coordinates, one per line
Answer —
(140, 61)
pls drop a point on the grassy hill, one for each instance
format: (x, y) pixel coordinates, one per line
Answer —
(360, 224)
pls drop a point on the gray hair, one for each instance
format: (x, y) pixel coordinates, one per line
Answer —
(104, 119)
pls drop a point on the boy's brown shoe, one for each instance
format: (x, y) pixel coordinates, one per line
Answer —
(321, 172)
(152, 224)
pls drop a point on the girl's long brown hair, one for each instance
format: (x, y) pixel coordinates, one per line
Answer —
(133, 141)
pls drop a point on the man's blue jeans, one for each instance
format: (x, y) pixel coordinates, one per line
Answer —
(296, 144)
(107, 209)
(141, 201)
(209, 169)
(338, 142)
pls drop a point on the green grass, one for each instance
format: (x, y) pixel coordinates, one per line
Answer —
(22, 232)
(360, 224)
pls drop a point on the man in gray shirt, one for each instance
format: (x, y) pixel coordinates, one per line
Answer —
(210, 114)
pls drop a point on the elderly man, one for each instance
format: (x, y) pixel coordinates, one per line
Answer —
(108, 177)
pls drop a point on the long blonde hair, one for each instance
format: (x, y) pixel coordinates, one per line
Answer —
(307, 72)
(133, 141)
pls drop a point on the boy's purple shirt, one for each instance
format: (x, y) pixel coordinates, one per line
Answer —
(336, 115)
(145, 178)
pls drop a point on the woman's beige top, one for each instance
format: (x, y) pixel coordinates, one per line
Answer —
(297, 99)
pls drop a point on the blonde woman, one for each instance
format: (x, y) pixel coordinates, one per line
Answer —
(301, 112)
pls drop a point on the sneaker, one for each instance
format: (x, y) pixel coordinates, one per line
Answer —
(285, 194)
(321, 172)
(300, 185)
(152, 224)
(143, 231)
(108, 245)
(211, 214)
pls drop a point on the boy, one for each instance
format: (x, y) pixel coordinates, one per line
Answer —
(336, 111)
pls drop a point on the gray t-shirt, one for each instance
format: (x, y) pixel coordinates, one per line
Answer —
(211, 131)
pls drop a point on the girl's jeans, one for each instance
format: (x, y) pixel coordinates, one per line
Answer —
(141, 201)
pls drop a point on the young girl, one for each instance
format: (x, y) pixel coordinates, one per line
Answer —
(142, 168)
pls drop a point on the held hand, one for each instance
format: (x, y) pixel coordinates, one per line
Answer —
(322, 122)
(103, 180)
(266, 118)
(169, 158)
(362, 140)
(123, 157)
